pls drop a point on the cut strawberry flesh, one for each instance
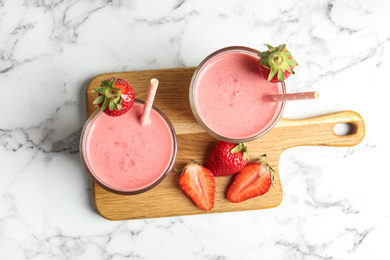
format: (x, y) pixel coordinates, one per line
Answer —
(198, 183)
(254, 180)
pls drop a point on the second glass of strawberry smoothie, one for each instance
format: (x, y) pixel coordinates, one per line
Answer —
(124, 157)
(227, 96)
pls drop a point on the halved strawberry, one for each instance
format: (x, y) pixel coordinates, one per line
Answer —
(115, 96)
(227, 158)
(252, 181)
(198, 183)
(276, 64)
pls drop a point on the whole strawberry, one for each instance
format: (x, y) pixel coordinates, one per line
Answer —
(227, 158)
(198, 183)
(252, 181)
(115, 96)
(276, 64)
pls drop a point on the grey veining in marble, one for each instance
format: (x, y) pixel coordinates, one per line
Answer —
(335, 199)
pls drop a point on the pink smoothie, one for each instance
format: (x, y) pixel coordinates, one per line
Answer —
(125, 156)
(229, 95)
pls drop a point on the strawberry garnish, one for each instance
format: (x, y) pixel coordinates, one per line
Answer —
(198, 183)
(115, 96)
(227, 158)
(276, 64)
(252, 181)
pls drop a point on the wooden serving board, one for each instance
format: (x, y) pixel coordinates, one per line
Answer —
(167, 199)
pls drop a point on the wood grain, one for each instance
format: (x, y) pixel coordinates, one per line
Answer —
(167, 199)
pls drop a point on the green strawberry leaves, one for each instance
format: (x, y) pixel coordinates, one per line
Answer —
(119, 105)
(280, 75)
(277, 61)
(100, 90)
(105, 104)
(272, 74)
(281, 47)
(270, 48)
(292, 63)
(108, 84)
(268, 167)
(263, 54)
(110, 96)
(98, 100)
(241, 147)
(112, 105)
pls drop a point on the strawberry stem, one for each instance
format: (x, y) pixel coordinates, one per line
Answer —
(277, 60)
(241, 147)
(110, 97)
(189, 164)
(269, 168)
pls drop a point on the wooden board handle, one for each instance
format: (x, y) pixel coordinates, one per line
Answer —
(320, 130)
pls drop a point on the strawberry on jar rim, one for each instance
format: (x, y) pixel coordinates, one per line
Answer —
(254, 180)
(227, 158)
(276, 64)
(115, 96)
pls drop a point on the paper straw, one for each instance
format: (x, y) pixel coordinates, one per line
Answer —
(293, 96)
(149, 101)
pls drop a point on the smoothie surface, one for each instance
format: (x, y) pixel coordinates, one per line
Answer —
(229, 96)
(124, 155)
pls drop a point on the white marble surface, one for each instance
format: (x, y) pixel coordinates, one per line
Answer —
(336, 200)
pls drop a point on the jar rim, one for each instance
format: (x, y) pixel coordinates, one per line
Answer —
(111, 188)
(198, 117)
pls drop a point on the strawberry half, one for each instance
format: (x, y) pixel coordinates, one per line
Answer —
(115, 96)
(227, 158)
(276, 64)
(198, 183)
(252, 181)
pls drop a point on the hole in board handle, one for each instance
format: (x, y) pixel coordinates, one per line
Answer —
(343, 129)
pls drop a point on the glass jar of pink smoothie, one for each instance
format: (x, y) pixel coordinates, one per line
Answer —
(227, 96)
(124, 157)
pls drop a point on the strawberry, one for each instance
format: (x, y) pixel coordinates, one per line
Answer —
(227, 158)
(115, 96)
(252, 181)
(198, 183)
(276, 64)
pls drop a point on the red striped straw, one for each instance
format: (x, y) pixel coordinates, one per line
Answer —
(293, 96)
(149, 101)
